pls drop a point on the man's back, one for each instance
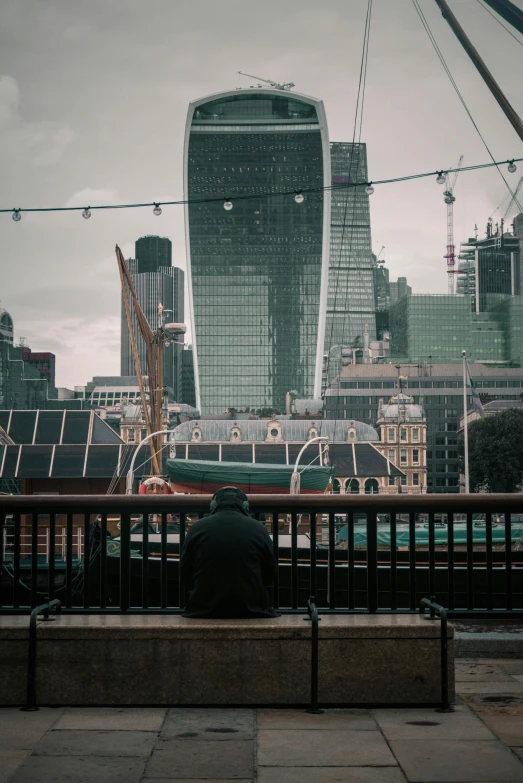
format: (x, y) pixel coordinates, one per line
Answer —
(227, 564)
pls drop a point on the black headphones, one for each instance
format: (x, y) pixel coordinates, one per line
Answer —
(231, 495)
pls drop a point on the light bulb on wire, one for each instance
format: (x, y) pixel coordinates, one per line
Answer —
(512, 167)
(299, 198)
(227, 205)
(369, 190)
(157, 210)
(16, 215)
(86, 213)
(440, 179)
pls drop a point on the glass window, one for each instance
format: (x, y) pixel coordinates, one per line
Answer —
(415, 479)
(403, 481)
(130, 436)
(403, 434)
(391, 436)
(403, 456)
(415, 456)
(392, 481)
(392, 455)
(143, 434)
(415, 434)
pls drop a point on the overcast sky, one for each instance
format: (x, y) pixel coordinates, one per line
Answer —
(93, 102)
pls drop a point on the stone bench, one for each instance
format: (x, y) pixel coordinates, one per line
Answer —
(172, 660)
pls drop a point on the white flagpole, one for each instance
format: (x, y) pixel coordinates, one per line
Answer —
(465, 417)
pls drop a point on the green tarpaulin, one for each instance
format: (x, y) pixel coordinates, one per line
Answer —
(440, 535)
(206, 477)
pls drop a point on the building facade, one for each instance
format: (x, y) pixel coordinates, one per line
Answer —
(437, 327)
(257, 270)
(356, 394)
(490, 269)
(402, 425)
(350, 302)
(43, 361)
(155, 284)
(359, 465)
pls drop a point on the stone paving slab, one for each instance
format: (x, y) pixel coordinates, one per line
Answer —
(10, 761)
(22, 730)
(339, 748)
(202, 759)
(512, 667)
(78, 769)
(96, 743)
(408, 724)
(513, 686)
(115, 718)
(210, 724)
(480, 673)
(457, 761)
(357, 720)
(509, 728)
(330, 775)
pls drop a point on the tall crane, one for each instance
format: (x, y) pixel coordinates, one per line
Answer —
(449, 199)
(287, 86)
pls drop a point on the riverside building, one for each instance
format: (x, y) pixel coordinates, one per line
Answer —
(257, 263)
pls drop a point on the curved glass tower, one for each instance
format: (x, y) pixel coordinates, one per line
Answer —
(257, 273)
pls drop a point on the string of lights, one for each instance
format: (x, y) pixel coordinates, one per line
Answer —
(228, 201)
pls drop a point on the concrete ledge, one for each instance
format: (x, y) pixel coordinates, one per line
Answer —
(172, 660)
(489, 645)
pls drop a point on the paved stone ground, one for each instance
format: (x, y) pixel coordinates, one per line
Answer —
(480, 742)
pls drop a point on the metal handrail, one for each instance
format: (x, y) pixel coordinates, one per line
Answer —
(430, 603)
(56, 604)
(314, 617)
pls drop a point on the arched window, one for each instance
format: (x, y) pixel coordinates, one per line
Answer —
(352, 487)
(371, 487)
(336, 487)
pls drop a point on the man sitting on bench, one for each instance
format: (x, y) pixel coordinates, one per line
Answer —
(227, 561)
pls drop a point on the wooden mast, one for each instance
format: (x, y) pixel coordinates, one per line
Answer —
(138, 369)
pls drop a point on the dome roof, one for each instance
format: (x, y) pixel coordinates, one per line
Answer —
(402, 405)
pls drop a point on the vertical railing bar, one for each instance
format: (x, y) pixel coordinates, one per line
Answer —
(508, 559)
(332, 562)
(52, 555)
(163, 572)
(432, 554)
(2, 556)
(34, 559)
(181, 585)
(350, 560)
(86, 560)
(145, 562)
(393, 561)
(16, 560)
(488, 560)
(372, 560)
(69, 559)
(276, 548)
(450, 558)
(103, 561)
(313, 553)
(412, 560)
(125, 559)
(470, 562)
(294, 560)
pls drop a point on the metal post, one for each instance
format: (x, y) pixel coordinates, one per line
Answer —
(314, 618)
(30, 704)
(466, 423)
(444, 663)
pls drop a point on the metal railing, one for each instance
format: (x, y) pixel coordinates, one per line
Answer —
(364, 553)
(429, 603)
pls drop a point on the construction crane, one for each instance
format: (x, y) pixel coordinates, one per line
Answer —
(514, 198)
(287, 86)
(449, 199)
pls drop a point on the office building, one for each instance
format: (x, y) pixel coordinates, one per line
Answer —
(357, 393)
(437, 327)
(398, 289)
(188, 394)
(489, 269)
(350, 302)
(155, 284)
(6, 326)
(257, 263)
(43, 361)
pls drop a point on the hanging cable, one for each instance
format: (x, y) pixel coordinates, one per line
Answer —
(458, 93)
(500, 22)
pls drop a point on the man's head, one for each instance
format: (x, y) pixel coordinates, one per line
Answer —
(230, 496)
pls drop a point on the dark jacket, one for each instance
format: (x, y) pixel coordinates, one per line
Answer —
(227, 565)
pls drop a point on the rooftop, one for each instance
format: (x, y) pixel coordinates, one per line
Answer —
(258, 430)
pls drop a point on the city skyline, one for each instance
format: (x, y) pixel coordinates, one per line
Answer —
(77, 144)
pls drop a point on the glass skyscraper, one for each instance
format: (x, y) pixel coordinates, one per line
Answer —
(258, 272)
(350, 301)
